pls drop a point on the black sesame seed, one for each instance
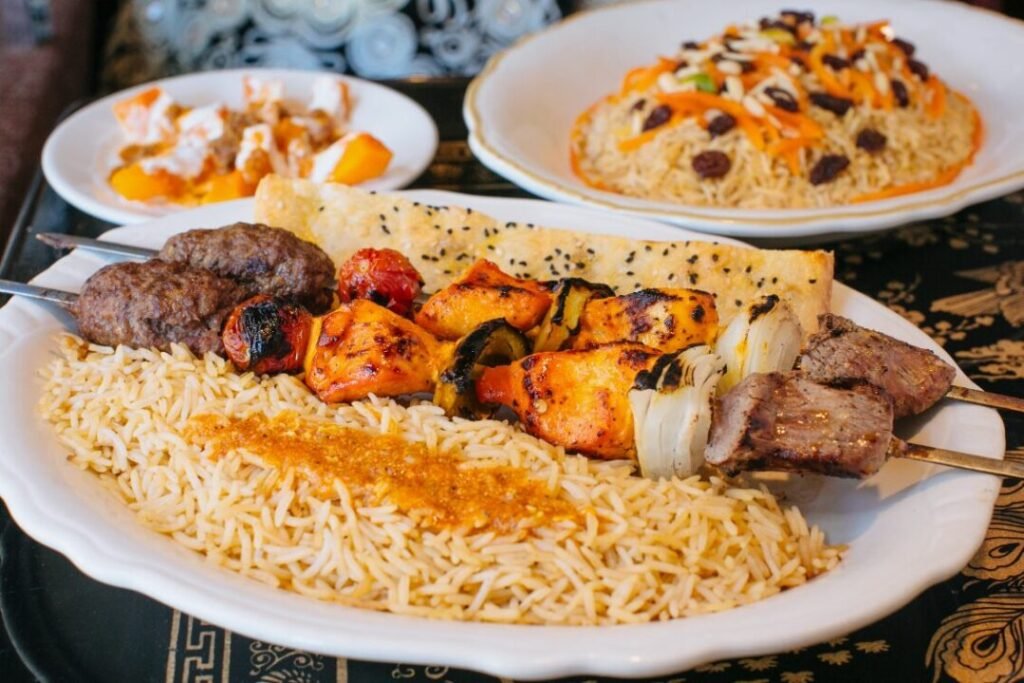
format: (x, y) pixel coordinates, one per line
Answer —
(385, 229)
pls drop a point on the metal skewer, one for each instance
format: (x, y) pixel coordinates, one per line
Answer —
(963, 461)
(985, 398)
(62, 241)
(59, 296)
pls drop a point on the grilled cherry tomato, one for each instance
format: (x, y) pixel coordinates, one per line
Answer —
(267, 335)
(384, 276)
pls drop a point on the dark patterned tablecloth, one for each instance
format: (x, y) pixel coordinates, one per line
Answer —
(961, 279)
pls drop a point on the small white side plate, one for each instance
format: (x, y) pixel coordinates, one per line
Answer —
(81, 153)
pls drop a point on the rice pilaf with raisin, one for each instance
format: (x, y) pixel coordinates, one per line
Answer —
(787, 112)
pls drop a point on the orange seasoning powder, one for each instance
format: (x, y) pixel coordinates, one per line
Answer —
(437, 488)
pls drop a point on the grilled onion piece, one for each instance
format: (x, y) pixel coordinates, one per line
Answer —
(493, 343)
(671, 406)
(764, 338)
(562, 321)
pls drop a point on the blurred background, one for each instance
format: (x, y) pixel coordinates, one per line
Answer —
(56, 52)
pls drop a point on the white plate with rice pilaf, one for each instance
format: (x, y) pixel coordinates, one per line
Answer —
(521, 108)
(907, 528)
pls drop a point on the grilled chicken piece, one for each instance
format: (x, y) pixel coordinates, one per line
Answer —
(785, 421)
(480, 294)
(575, 399)
(363, 348)
(843, 353)
(664, 319)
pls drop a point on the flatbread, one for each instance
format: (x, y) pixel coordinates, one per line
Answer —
(441, 241)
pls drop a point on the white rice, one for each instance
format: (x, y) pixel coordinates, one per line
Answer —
(642, 551)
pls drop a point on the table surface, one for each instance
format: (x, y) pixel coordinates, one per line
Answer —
(961, 279)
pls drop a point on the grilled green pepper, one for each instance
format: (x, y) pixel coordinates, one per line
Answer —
(492, 343)
(562, 321)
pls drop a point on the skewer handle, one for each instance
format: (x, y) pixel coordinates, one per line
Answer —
(62, 241)
(975, 463)
(36, 292)
(985, 398)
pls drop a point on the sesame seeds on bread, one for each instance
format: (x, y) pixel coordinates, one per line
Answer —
(443, 241)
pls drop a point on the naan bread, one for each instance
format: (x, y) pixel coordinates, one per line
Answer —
(442, 240)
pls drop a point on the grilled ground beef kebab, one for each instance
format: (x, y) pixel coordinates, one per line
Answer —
(842, 354)
(263, 259)
(156, 303)
(786, 421)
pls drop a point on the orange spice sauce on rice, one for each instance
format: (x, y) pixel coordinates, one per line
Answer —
(442, 488)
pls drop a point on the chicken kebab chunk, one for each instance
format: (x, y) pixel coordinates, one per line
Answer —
(663, 319)
(842, 353)
(577, 399)
(483, 292)
(362, 348)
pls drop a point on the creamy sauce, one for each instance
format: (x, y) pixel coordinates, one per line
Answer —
(437, 488)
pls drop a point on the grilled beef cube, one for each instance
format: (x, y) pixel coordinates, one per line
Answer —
(843, 353)
(785, 421)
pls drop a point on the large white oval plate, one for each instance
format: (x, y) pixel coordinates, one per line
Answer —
(520, 108)
(909, 527)
(81, 153)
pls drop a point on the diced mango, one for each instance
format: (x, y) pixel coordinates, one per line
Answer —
(131, 182)
(365, 157)
(145, 99)
(221, 188)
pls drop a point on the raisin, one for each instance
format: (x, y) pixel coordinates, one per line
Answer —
(782, 99)
(711, 164)
(747, 67)
(899, 91)
(827, 168)
(681, 64)
(797, 16)
(767, 23)
(907, 47)
(691, 45)
(857, 55)
(659, 116)
(837, 105)
(870, 140)
(798, 60)
(638, 105)
(804, 45)
(835, 62)
(919, 69)
(721, 124)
